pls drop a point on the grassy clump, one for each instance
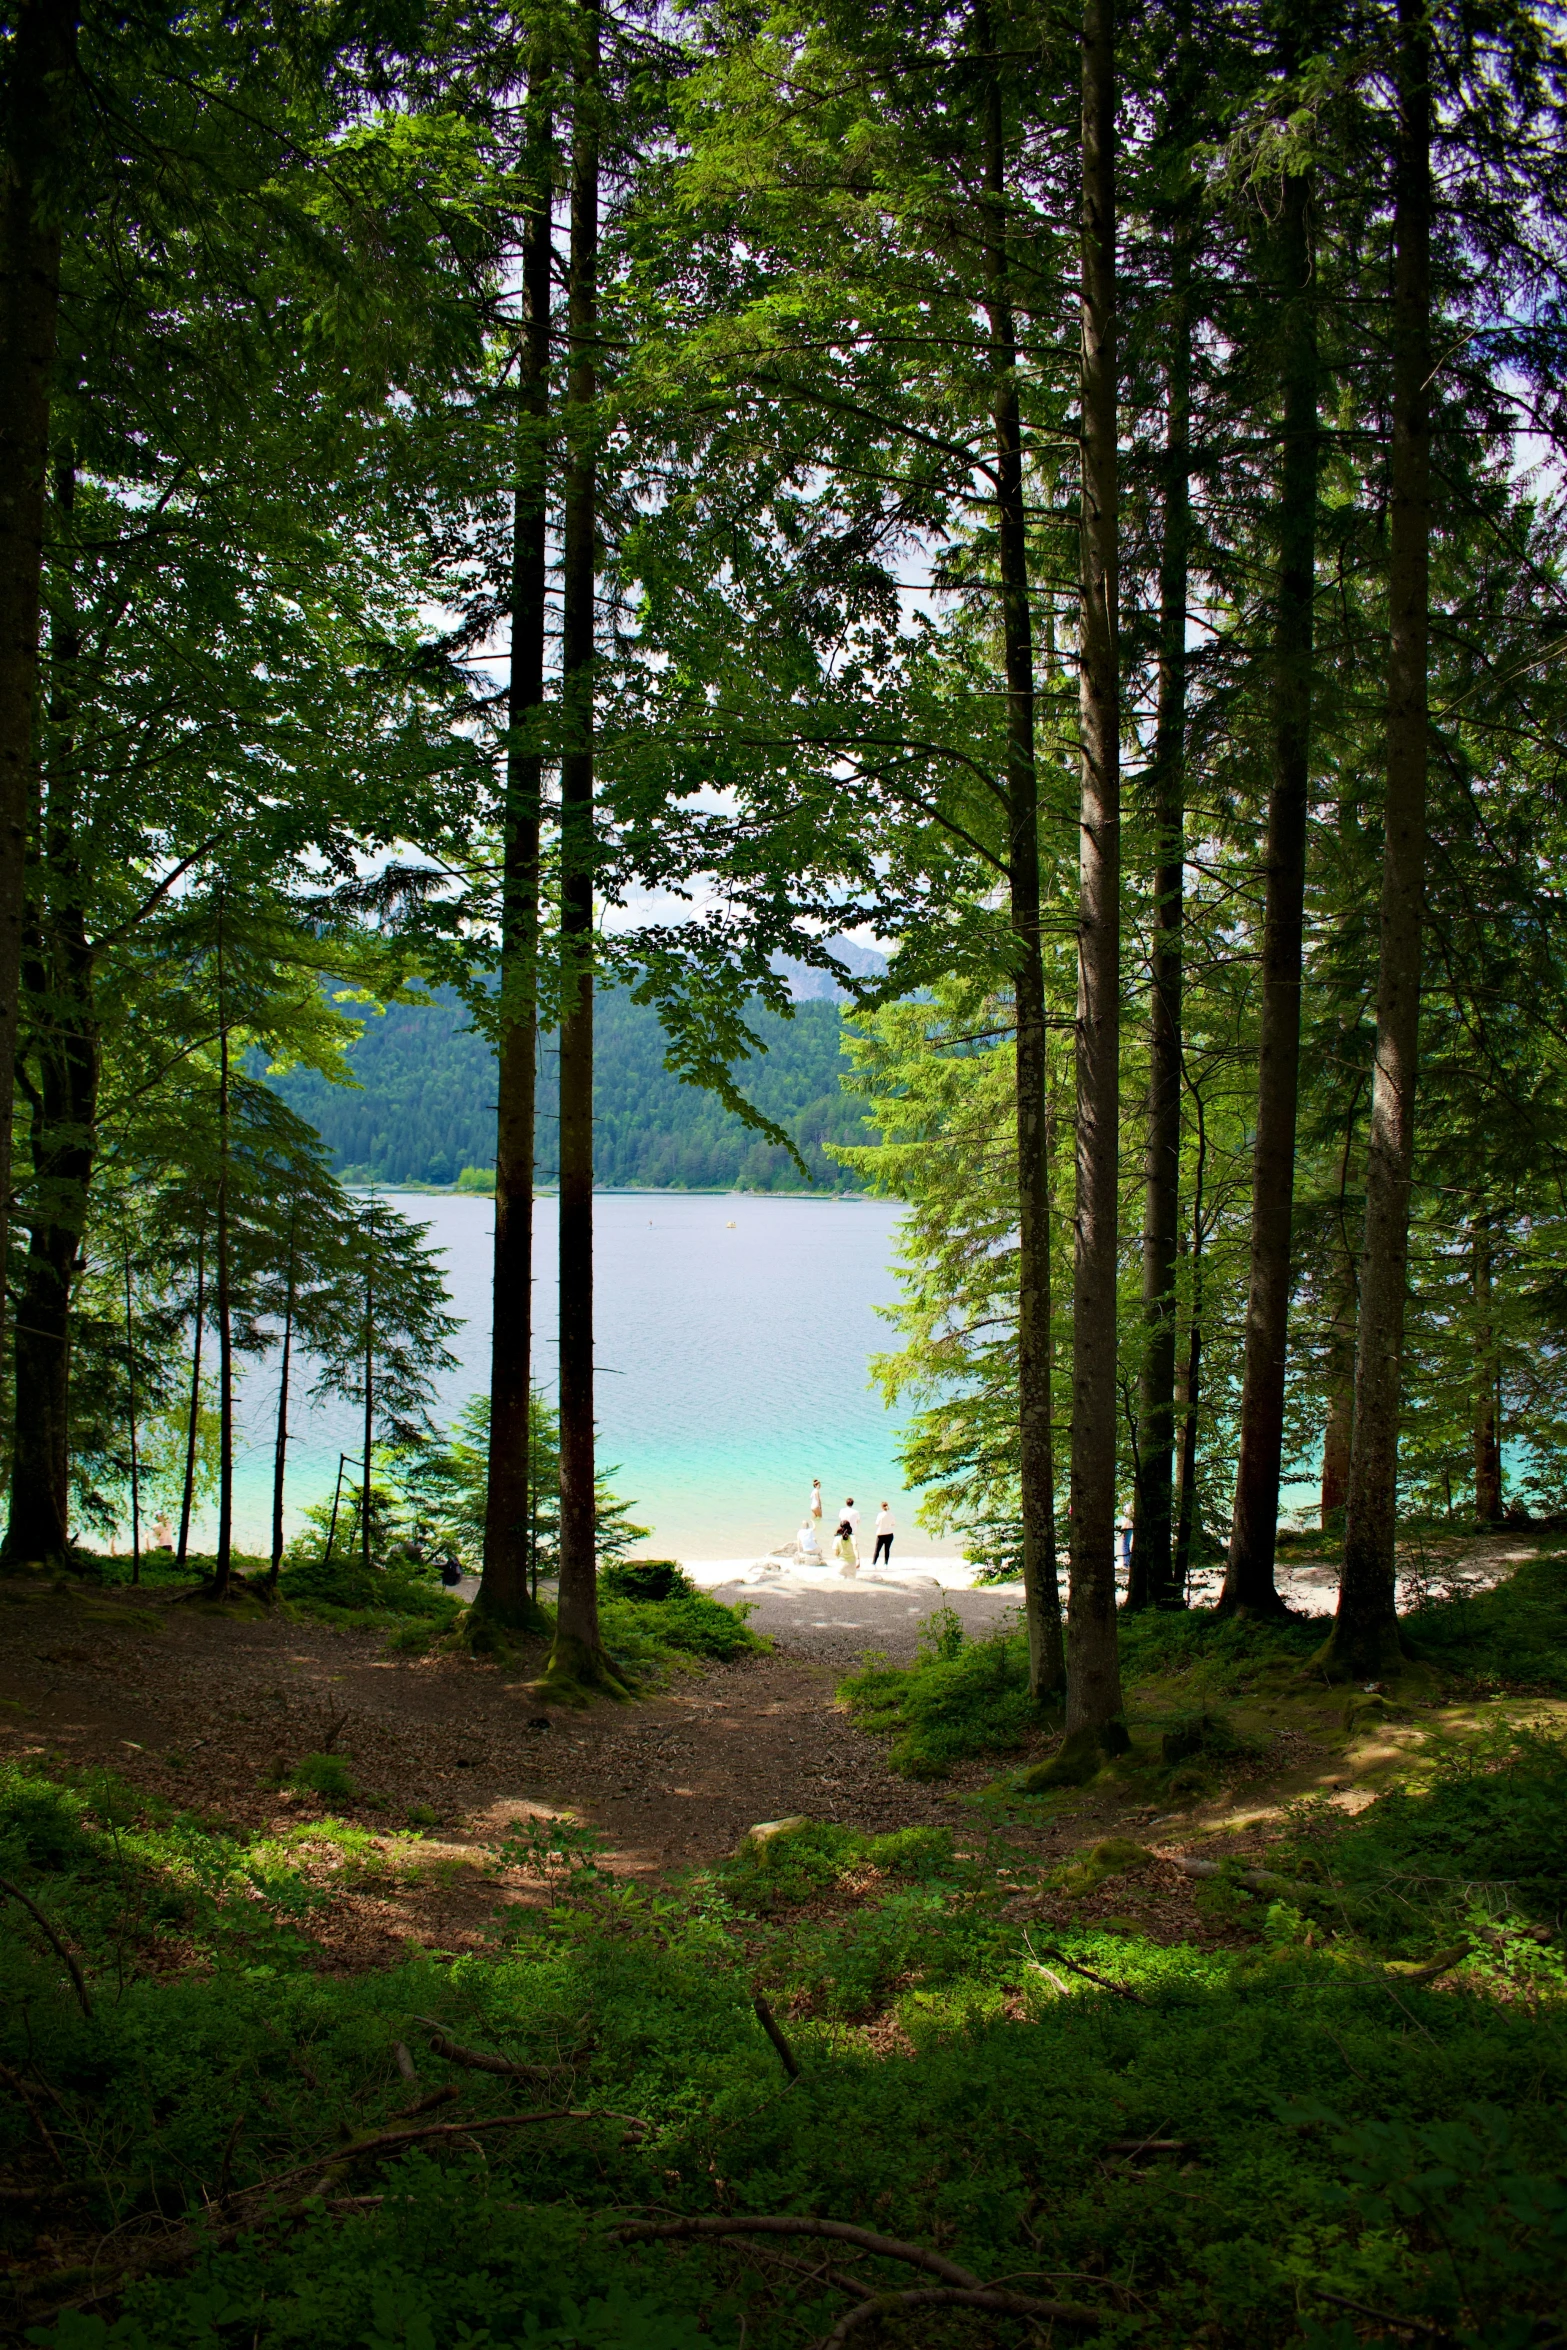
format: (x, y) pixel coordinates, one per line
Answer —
(1478, 1848)
(799, 1863)
(963, 1698)
(324, 1774)
(959, 1698)
(687, 1623)
(1220, 1654)
(347, 1593)
(1339, 2146)
(1512, 1638)
(644, 1579)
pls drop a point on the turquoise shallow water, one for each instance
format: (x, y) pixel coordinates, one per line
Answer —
(732, 1364)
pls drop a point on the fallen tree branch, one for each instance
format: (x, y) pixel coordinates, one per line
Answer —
(181, 2242)
(866, 2313)
(477, 2061)
(1071, 1964)
(19, 2089)
(393, 2141)
(55, 2192)
(1151, 2146)
(1437, 1966)
(16, 1894)
(789, 2223)
(1401, 2325)
(961, 2286)
(1255, 1880)
(774, 2030)
(447, 2096)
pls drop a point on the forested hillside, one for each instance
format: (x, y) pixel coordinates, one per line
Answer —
(424, 1107)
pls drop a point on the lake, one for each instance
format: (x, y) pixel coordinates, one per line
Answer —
(731, 1365)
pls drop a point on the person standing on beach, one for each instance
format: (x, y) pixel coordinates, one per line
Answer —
(848, 1537)
(885, 1530)
(816, 1505)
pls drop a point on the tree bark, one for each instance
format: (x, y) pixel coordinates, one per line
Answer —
(225, 1313)
(1189, 1388)
(577, 1656)
(503, 1590)
(1036, 1448)
(1248, 1581)
(1151, 1583)
(64, 1106)
(1365, 1641)
(280, 1443)
(1093, 1665)
(365, 1558)
(1338, 1432)
(188, 1487)
(39, 100)
(1487, 1438)
(130, 1382)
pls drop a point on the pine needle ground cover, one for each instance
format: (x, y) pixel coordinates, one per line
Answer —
(1296, 2132)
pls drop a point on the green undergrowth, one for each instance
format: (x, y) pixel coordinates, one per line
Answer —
(963, 1698)
(1475, 1851)
(1339, 2140)
(1510, 1640)
(960, 1698)
(355, 1597)
(648, 1638)
(687, 1624)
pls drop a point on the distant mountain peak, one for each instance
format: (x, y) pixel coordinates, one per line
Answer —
(808, 985)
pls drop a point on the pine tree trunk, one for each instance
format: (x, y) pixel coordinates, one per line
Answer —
(280, 1444)
(1487, 1442)
(503, 1590)
(1036, 1448)
(1338, 1432)
(188, 1484)
(577, 1657)
(1188, 1397)
(64, 1108)
(1093, 1664)
(1151, 1580)
(365, 1558)
(225, 1312)
(37, 138)
(1365, 1642)
(1248, 1581)
(130, 1384)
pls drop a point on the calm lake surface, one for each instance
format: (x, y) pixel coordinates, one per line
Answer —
(732, 1365)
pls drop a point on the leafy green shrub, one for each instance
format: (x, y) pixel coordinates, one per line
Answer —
(689, 1623)
(554, 1849)
(1224, 1651)
(801, 1862)
(1198, 1736)
(347, 1587)
(960, 1698)
(323, 1774)
(643, 1579)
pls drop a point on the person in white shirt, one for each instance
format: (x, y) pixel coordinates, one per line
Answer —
(885, 1531)
(809, 1547)
(816, 1504)
(848, 1537)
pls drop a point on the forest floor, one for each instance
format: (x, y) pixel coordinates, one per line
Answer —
(449, 1757)
(275, 1891)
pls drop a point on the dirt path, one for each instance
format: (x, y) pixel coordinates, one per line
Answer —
(211, 1711)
